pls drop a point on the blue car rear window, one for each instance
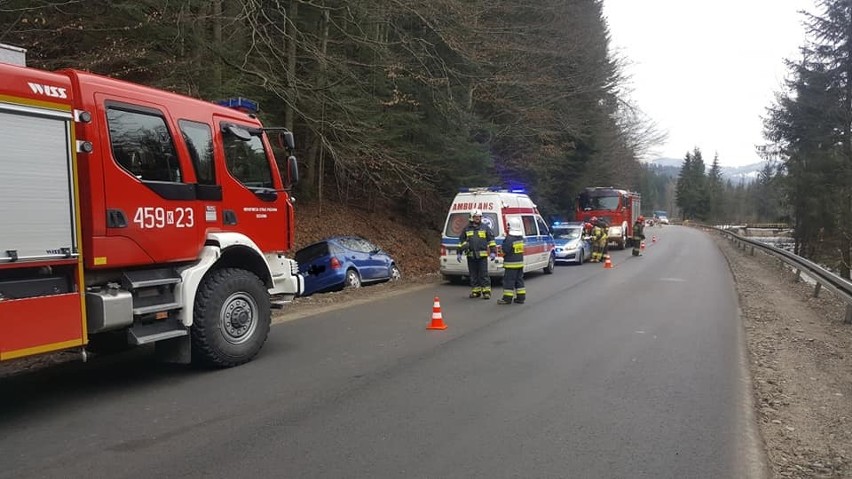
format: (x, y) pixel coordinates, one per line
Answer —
(312, 252)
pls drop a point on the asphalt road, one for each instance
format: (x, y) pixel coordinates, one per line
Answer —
(636, 371)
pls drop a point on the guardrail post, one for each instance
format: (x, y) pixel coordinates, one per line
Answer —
(816, 289)
(848, 319)
(752, 250)
(798, 276)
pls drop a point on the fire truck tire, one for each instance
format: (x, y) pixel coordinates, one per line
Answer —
(232, 317)
(551, 265)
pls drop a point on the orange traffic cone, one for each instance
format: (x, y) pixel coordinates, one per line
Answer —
(643, 246)
(654, 239)
(437, 319)
(607, 263)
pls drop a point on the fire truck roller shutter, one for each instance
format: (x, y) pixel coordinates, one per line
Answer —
(36, 187)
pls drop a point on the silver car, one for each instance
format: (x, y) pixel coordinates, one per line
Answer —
(572, 246)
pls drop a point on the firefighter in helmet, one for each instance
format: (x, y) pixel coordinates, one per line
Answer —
(638, 234)
(598, 240)
(477, 242)
(513, 265)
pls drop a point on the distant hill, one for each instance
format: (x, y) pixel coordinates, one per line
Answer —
(736, 174)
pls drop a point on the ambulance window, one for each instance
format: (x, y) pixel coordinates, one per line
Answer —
(199, 141)
(490, 220)
(542, 226)
(245, 157)
(529, 226)
(456, 224)
(141, 144)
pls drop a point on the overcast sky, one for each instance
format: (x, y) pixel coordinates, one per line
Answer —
(705, 71)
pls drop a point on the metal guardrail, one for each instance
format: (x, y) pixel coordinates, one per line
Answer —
(824, 278)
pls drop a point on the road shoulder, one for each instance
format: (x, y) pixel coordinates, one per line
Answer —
(801, 367)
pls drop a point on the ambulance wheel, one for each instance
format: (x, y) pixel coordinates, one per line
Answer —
(551, 264)
(232, 317)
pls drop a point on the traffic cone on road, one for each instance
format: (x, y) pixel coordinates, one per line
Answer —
(642, 248)
(437, 318)
(654, 239)
(607, 263)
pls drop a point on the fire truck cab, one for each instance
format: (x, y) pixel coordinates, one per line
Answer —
(618, 208)
(131, 215)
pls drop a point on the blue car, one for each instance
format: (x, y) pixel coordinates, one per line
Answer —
(571, 245)
(344, 262)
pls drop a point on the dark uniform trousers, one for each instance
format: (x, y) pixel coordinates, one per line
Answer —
(513, 282)
(480, 282)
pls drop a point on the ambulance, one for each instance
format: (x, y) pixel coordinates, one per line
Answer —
(497, 206)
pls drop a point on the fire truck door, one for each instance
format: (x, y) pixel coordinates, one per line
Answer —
(254, 203)
(152, 212)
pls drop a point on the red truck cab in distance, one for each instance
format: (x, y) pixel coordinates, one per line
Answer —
(617, 207)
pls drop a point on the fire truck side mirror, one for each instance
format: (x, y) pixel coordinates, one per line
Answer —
(285, 140)
(292, 170)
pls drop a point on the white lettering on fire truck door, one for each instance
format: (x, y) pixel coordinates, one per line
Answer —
(149, 217)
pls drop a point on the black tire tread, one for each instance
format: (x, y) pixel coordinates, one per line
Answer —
(202, 347)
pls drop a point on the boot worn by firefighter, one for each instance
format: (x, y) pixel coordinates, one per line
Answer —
(475, 293)
(486, 294)
(521, 296)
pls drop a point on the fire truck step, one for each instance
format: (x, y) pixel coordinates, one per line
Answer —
(150, 333)
(155, 308)
(135, 280)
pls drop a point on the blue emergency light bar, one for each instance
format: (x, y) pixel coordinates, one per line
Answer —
(466, 189)
(242, 104)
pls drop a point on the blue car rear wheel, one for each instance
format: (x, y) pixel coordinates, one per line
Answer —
(353, 279)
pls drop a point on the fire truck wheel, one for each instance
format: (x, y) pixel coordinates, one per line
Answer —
(551, 265)
(232, 318)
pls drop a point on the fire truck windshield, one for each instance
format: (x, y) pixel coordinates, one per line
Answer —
(609, 203)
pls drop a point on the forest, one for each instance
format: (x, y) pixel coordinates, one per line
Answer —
(395, 104)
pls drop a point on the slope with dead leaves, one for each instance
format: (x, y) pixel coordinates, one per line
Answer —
(415, 247)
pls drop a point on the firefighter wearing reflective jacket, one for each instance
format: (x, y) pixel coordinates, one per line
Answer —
(638, 234)
(599, 239)
(513, 265)
(477, 243)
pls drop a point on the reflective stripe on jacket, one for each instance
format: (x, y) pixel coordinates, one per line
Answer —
(476, 241)
(513, 252)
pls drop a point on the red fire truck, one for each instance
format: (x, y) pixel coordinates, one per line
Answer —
(618, 208)
(130, 215)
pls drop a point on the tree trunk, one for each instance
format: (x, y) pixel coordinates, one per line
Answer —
(292, 15)
(217, 44)
(326, 20)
